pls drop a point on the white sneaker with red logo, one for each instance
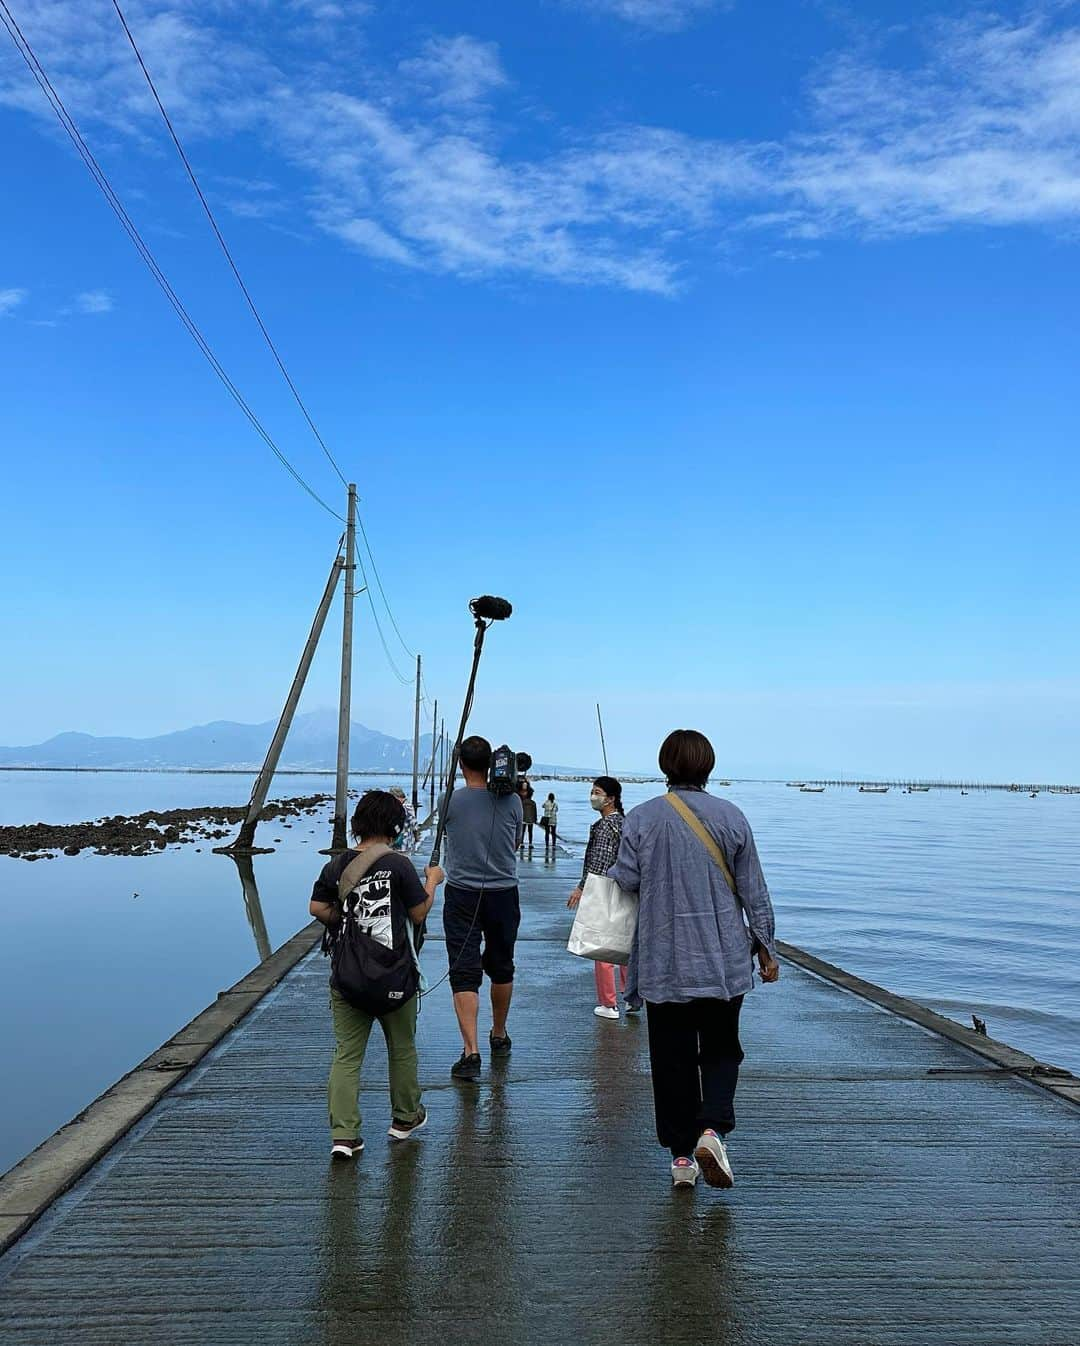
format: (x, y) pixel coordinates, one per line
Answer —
(684, 1172)
(711, 1154)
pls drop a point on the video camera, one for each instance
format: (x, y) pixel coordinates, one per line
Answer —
(507, 767)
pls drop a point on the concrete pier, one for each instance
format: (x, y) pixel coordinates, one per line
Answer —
(893, 1189)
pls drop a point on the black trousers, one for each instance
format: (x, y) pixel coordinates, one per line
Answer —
(471, 918)
(695, 1055)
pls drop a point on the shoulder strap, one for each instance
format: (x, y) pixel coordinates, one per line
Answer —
(687, 814)
(355, 870)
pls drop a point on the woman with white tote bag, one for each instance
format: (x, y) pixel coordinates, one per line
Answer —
(606, 798)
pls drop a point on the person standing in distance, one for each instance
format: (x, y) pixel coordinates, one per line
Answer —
(704, 914)
(481, 911)
(551, 822)
(528, 813)
(600, 854)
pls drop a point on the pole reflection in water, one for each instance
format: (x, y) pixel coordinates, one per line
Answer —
(252, 905)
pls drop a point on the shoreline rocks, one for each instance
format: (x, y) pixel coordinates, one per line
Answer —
(144, 833)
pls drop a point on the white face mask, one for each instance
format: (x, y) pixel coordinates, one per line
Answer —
(597, 801)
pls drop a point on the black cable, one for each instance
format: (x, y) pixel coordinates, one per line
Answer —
(378, 581)
(367, 589)
(225, 247)
(254, 309)
(95, 170)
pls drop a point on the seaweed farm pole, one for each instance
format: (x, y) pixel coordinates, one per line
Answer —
(442, 755)
(416, 747)
(341, 796)
(434, 749)
(603, 745)
(245, 838)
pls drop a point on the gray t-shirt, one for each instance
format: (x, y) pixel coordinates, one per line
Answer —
(483, 832)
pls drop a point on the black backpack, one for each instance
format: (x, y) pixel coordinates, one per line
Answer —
(363, 971)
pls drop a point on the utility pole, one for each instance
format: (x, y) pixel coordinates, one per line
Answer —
(341, 798)
(245, 839)
(416, 748)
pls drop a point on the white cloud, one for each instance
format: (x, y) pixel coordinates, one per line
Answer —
(456, 69)
(449, 201)
(211, 84)
(10, 301)
(93, 301)
(369, 237)
(982, 129)
(987, 131)
(660, 14)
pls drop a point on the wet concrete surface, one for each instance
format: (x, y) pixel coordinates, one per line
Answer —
(891, 1190)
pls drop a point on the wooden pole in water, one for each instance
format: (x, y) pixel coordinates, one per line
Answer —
(416, 748)
(442, 755)
(603, 745)
(341, 797)
(246, 836)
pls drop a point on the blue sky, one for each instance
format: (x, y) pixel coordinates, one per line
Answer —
(735, 344)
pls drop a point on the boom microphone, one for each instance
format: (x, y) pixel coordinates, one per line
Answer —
(485, 609)
(490, 609)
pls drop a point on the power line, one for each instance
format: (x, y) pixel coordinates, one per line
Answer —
(225, 247)
(378, 581)
(26, 51)
(254, 309)
(358, 560)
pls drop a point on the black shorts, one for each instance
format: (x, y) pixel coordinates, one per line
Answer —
(495, 924)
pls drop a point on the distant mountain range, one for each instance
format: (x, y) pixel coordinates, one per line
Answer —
(311, 745)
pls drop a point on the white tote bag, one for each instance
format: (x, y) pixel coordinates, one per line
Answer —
(605, 922)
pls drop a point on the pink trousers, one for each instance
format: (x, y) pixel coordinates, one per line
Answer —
(605, 983)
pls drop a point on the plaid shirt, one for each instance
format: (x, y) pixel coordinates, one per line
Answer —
(603, 847)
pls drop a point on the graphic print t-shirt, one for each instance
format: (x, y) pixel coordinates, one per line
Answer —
(381, 900)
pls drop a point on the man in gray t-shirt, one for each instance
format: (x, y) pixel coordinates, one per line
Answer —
(481, 912)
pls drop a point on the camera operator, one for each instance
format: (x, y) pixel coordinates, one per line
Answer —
(480, 904)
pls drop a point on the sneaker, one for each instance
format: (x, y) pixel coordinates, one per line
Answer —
(684, 1172)
(633, 1009)
(499, 1046)
(346, 1149)
(711, 1154)
(603, 1012)
(466, 1068)
(404, 1130)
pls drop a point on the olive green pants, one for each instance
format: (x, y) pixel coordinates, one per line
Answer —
(352, 1028)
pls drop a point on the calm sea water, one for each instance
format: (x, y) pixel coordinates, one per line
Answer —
(969, 904)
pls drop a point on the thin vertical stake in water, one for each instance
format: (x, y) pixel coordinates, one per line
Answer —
(416, 747)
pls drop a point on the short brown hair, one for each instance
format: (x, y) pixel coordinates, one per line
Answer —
(687, 758)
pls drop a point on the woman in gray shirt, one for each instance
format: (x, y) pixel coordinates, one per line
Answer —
(704, 914)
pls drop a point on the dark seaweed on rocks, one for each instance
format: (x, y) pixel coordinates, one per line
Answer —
(143, 833)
